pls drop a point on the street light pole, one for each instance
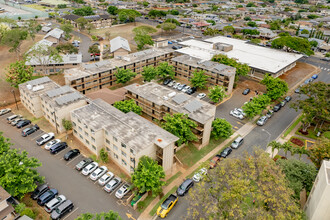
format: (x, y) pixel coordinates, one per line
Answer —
(15, 98)
(55, 122)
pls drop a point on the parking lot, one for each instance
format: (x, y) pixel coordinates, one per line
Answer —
(87, 195)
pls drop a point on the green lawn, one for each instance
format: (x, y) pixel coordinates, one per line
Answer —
(173, 178)
(36, 77)
(146, 202)
(292, 126)
(327, 134)
(37, 7)
(189, 154)
(311, 133)
(154, 209)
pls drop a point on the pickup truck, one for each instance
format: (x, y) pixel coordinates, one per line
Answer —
(167, 205)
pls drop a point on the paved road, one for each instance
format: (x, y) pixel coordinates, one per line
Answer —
(257, 137)
(85, 194)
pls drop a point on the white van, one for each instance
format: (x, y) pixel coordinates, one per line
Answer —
(11, 118)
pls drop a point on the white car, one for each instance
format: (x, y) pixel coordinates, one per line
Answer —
(90, 168)
(113, 184)
(201, 95)
(106, 178)
(200, 174)
(185, 89)
(52, 143)
(54, 203)
(98, 173)
(236, 114)
(44, 138)
(16, 120)
(122, 191)
(240, 110)
(176, 85)
(5, 111)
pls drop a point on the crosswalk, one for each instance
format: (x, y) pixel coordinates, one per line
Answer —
(323, 68)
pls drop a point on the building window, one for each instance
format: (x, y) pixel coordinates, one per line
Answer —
(123, 162)
(132, 159)
(115, 155)
(106, 133)
(81, 137)
(87, 141)
(80, 129)
(132, 151)
(115, 147)
(74, 130)
(93, 139)
(93, 147)
(123, 145)
(123, 153)
(107, 141)
(86, 134)
(79, 121)
(108, 149)
(92, 131)
(115, 139)
(132, 170)
(74, 124)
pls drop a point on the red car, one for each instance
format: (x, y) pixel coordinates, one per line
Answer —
(214, 162)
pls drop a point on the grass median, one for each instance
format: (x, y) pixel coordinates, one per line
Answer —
(292, 126)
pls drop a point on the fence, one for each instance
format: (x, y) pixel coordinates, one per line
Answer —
(30, 12)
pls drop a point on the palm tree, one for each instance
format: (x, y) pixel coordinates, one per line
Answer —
(286, 147)
(274, 145)
(299, 150)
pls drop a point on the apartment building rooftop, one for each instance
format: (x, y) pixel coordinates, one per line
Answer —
(106, 65)
(38, 86)
(131, 128)
(62, 96)
(196, 109)
(205, 64)
(66, 59)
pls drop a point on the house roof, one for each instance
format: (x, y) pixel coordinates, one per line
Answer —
(118, 43)
(71, 17)
(56, 33)
(67, 59)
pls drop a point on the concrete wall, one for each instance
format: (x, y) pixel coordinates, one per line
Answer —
(120, 52)
(52, 69)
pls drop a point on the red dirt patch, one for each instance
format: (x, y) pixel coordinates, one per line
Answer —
(297, 141)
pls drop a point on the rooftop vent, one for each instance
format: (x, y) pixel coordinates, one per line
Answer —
(37, 88)
(28, 86)
(171, 94)
(165, 98)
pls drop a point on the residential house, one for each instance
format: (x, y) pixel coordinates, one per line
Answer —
(98, 21)
(54, 35)
(119, 46)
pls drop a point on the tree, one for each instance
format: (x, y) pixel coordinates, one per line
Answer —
(199, 79)
(3, 29)
(250, 4)
(221, 128)
(299, 174)
(128, 106)
(149, 73)
(250, 32)
(128, 15)
(18, 73)
(43, 55)
(181, 126)
(164, 70)
(13, 39)
(67, 28)
(274, 145)
(104, 155)
(293, 43)
(94, 49)
(18, 174)
(172, 20)
(83, 11)
(247, 18)
(319, 151)
(305, 31)
(4, 144)
(217, 93)
(67, 126)
(148, 176)
(111, 215)
(67, 48)
(82, 22)
(276, 87)
(256, 105)
(124, 75)
(211, 32)
(168, 26)
(113, 10)
(252, 24)
(253, 184)
(174, 12)
(229, 29)
(33, 28)
(143, 39)
(89, 27)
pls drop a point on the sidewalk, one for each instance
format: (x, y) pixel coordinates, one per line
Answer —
(243, 131)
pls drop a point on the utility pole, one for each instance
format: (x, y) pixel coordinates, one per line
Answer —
(15, 98)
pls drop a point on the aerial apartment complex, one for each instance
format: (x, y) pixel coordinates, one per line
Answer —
(157, 100)
(126, 136)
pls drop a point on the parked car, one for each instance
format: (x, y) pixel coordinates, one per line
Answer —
(174, 41)
(98, 173)
(30, 130)
(277, 107)
(5, 111)
(262, 120)
(58, 147)
(283, 103)
(94, 58)
(39, 191)
(167, 81)
(184, 187)
(62, 210)
(199, 174)
(237, 143)
(12, 117)
(180, 87)
(288, 98)
(240, 111)
(236, 114)
(136, 198)
(171, 84)
(82, 164)
(298, 89)
(54, 203)
(214, 161)
(246, 91)
(201, 95)
(185, 89)
(170, 42)
(71, 154)
(47, 196)
(106, 178)
(113, 184)
(191, 90)
(52, 143)
(225, 153)
(167, 206)
(90, 168)
(44, 138)
(315, 76)
(270, 113)
(16, 120)
(176, 85)
(23, 123)
(308, 81)
(123, 190)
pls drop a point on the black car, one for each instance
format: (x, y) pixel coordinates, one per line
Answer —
(39, 191)
(184, 187)
(283, 103)
(246, 91)
(47, 196)
(30, 130)
(82, 164)
(71, 154)
(277, 107)
(225, 153)
(167, 81)
(192, 90)
(23, 123)
(58, 147)
(176, 47)
(288, 98)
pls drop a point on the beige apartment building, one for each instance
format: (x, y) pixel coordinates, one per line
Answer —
(126, 137)
(219, 74)
(30, 94)
(56, 105)
(95, 76)
(318, 202)
(157, 100)
(6, 208)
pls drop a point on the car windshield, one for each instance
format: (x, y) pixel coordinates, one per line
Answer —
(182, 186)
(165, 205)
(120, 192)
(57, 211)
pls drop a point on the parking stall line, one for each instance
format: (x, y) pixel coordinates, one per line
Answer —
(72, 160)
(58, 154)
(36, 137)
(71, 213)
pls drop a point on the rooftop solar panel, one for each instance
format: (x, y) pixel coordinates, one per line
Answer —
(193, 106)
(39, 81)
(59, 91)
(62, 100)
(180, 98)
